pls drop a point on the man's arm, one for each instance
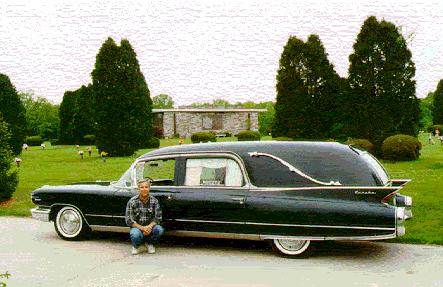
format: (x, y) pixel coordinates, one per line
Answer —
(157, 216)
(130, 219)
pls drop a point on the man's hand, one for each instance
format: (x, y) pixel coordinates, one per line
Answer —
(147, 230)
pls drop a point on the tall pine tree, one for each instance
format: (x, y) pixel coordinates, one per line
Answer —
(382, 87)
(13, 113)
(437, 110)
(123, 103)
(307, 89)
(67, 111)
(83, 121)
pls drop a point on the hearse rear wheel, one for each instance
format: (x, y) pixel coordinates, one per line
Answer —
(291, 247)
(69, 223)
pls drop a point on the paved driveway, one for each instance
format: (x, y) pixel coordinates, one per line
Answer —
(34, 256)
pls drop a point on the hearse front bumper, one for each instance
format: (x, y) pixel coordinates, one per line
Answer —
(41, 214)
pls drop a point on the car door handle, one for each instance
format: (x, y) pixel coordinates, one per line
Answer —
(240, 200)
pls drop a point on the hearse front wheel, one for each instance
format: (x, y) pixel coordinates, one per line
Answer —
(291, 246)
(69, 223)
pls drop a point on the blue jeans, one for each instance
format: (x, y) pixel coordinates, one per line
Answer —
(137, 236)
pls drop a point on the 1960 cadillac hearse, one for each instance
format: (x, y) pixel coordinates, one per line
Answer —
(290, 193)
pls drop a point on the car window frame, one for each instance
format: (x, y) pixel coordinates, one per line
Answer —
(181, 157)
(244, 183)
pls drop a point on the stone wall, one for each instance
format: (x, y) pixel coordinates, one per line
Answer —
(188, 123)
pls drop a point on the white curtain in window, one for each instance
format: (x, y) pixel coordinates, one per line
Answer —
(194, 170)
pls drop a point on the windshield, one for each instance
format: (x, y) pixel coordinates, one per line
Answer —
(125, 179)
(378, 168)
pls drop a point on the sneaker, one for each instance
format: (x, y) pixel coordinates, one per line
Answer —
(134, 251)
(151, 248)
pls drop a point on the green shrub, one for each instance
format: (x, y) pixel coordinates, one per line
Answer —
(363, 144)
(283, 139)
(89, 139)
(401, 148)
(34, 140)
(227, 134)
(248, 136)
(54, 141)
(153, 143)
(203, 137)
(8, 176)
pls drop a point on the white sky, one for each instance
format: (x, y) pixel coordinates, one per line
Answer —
(200, 50)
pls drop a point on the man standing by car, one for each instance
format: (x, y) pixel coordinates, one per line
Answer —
(143, 215)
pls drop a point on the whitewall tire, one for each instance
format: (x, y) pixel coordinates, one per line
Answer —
(291, 247)
(69, 223)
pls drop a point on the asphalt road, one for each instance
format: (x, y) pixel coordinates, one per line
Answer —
(34, 255)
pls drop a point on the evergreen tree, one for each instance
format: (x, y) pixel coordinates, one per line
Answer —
(383, 91)
(307, 88)
(8, 178)
(67, 111)
(437, 112)
(83, 120)
(123, 104)
(13, 112)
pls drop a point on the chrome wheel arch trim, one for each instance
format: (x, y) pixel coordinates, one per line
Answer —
(71, 205)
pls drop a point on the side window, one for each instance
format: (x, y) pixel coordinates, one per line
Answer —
(213, 172)
(160, 171)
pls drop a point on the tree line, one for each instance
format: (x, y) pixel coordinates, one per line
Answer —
(375, 101)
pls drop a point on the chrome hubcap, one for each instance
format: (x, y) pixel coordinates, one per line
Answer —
(69, 222)
(292, 245)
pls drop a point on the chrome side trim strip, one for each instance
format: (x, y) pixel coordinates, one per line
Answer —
(99, 215)
(256, 237)
(375, 237)
(293, 169)
(288, 225)
(124, 229)
(355, 187)
(186, 233)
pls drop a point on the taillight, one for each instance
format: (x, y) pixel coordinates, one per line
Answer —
(388, 197)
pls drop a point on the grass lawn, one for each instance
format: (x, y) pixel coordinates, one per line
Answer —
(62, 165)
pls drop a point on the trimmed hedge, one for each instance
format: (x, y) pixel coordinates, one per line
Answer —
(203, 137)
(54, 141)
(89, 139)
(153, 143)
(282, 139)
(248, 136)
(34, 140)
(401, 148)
(363, 144)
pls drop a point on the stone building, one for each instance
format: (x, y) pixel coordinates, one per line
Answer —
(186, 121)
